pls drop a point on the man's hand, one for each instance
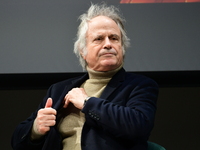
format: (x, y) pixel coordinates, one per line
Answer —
(45, 119)
(75, 96)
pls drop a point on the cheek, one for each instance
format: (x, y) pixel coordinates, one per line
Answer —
(90, 57)
(93, 51)
(120, 51)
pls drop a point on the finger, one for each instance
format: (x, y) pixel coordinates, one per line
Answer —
(66, 103)
(49, 103)
(82, 90)
(46, 111)
(47, 117)
(49, 123)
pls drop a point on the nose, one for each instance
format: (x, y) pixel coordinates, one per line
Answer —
(107, 43)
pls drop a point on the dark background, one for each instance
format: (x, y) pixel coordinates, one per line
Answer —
(176, 126)
(36, 44)
(38, 36)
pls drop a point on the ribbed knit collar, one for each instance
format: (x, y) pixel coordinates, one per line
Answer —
(102, 74)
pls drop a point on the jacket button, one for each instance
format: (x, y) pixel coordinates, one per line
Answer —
(23, 136)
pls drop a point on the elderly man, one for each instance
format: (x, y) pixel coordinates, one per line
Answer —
(107, 108)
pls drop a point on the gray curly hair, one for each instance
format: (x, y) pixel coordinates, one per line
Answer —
(94, 11)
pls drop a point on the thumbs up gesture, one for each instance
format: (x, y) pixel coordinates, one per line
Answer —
(46, 117)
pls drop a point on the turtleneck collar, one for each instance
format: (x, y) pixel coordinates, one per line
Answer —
(102, 74)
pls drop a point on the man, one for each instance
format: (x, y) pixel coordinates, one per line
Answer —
(107, 108)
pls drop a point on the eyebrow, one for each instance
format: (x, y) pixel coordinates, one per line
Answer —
(112, 35)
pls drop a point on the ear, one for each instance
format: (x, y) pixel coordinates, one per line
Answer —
(82, 55)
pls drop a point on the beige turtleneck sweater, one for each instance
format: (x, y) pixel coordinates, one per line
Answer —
(72, 120)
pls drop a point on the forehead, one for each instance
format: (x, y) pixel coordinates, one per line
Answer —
(102, 24)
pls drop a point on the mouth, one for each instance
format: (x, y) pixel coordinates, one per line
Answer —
(108, 54)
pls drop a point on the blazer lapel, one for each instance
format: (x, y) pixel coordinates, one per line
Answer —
(72, 84)
(114, 83)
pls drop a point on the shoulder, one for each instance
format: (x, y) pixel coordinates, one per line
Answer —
(141, 81)
(138, 77)
(63, 83)
(133, 78)
(67, 84)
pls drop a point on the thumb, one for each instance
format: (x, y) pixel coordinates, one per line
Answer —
(49, 103)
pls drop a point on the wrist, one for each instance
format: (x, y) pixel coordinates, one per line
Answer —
(85, 101)
(34, 134)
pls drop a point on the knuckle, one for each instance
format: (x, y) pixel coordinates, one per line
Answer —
(43, 129)
(40, 111)
(53, 123)
(54, 117)
(40, 123)
(40, 117)
(54, 112)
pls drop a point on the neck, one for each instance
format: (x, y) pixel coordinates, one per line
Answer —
(102, 74)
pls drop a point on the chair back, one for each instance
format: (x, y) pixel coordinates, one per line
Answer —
(154, 146)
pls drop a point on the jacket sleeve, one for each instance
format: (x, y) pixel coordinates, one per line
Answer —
(21, 136)
(128, 113)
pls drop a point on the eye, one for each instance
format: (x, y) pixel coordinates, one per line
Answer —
(98, 39)
(114, 38)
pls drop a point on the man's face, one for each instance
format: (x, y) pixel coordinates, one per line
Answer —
(104, 46)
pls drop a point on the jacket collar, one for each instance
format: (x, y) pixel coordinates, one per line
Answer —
(70, 85)
(115, 82)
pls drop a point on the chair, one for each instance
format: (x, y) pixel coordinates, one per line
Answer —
(154, 146)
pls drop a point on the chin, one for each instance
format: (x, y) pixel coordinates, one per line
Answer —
(109, 67)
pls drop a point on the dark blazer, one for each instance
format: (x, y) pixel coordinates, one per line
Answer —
(121, 119)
